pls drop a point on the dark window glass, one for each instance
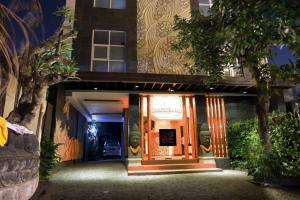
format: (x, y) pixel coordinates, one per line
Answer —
(102, 3)
(118, 4)
(117, 38)
(116, 66)
(101, 37)
(100, 52)
(117, 53)
(100, 66)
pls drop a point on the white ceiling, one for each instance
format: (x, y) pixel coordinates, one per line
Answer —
(99, 106)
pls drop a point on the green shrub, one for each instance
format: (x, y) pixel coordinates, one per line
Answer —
(285, 138)
(49, 159)
(246, 151)
(239, 135)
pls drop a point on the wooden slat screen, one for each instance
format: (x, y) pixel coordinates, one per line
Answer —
(216, 120)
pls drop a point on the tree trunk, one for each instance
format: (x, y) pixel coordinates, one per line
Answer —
(263, 105)
(32, 96)
(4, 76)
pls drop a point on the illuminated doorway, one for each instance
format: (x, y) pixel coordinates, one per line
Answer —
(168, 126)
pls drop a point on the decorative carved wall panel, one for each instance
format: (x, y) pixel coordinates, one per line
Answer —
(70, 148)
(71, 143)
(155, 34)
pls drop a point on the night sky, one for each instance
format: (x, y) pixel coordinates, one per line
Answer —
(50, 23)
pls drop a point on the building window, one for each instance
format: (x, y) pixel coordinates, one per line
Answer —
(204, 6)
(112, 4)
(108, 51)
(234, 70)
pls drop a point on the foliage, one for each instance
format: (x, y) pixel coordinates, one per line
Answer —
(35, 66)
(49, 159)
(239, 134)
(244, 31)
(285, 137)
(246, 151)
(239, 30)
(199, 37)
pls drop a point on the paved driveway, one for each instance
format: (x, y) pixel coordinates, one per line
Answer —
(110, 181)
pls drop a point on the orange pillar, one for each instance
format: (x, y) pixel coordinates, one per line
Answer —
(224, 126)
(195, 127)
(142, 126)
(216, 125)
(185, 130)
(209, 123)
(213, 125)
(220, 127)
(149, 127)
(192, 128)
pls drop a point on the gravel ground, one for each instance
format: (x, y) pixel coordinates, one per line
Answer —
(110, 181)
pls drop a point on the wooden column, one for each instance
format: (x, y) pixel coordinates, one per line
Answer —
(142, 126)
(192, 128)
(210, 124)
(219, 126)
(213, 125)
(185, 129)
(195, 127)
(149, 127)
(216, 125)
(224, 126)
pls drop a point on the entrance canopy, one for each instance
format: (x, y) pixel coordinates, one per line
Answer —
(99, 106)
(159, 83)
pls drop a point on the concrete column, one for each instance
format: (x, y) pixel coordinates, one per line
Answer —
(201, 116)
(134, 120)
(289, 99)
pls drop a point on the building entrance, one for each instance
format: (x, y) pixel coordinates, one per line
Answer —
(168, 126)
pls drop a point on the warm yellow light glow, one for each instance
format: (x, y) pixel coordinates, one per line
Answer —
(166, 107)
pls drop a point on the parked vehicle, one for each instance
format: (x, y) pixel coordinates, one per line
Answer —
(111, 148)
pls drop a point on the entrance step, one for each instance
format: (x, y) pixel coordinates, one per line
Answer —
(168, 162)
(172, 171)
(171, 168)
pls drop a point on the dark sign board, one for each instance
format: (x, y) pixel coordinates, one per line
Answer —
(167, 137)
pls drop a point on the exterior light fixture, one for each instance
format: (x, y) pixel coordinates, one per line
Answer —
(92, 132)
(95, 88)
(166, 107)
(244, 92)
(171, 90)
(211, 88)
(136, 86)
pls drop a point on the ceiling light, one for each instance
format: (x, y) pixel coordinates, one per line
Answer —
(136, 86)
(95, 88)
(171, 90)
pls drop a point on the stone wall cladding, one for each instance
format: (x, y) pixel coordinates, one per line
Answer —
(155, 20)
(19, 160)
(19, 163)
(22, 191)
(67, 132)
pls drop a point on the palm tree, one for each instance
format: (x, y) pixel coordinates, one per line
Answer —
(35, 66)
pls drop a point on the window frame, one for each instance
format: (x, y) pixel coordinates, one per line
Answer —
(209, 4)
(110, 5)
(108, 47)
